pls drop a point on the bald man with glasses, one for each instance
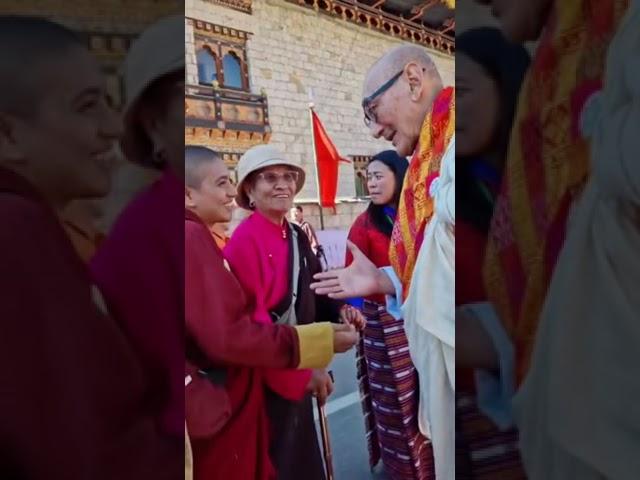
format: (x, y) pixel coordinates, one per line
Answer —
(405, 102)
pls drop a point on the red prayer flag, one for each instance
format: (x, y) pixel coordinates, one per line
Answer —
(328, 158)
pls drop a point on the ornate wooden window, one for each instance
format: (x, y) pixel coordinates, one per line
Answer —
(220, 109)
(232, 71)
(221, 56)
(207, 66)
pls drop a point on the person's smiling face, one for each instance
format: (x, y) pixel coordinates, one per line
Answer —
(67, 146)
(273, 189)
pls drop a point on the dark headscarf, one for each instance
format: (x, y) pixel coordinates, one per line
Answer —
(378, 213)
(506, 64)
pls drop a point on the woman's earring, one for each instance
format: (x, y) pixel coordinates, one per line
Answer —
(252, 204)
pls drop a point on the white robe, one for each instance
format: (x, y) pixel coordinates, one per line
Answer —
(577, 410)
(429, 321)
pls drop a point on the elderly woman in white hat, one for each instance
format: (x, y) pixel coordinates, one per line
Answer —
(274, 262)
(139, 267)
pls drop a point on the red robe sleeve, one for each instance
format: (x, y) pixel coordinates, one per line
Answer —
(217, 314)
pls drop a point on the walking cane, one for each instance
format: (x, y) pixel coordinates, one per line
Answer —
(326, 444)
(322, 415)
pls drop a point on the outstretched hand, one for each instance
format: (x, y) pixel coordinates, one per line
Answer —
(360, 279)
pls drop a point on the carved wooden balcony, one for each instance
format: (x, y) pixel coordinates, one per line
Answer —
(227, 119)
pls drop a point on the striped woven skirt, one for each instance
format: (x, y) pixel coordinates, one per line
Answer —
(482, 451)
(388, 386)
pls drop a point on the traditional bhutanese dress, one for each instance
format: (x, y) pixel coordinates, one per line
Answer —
(386, 376)
(483, 449)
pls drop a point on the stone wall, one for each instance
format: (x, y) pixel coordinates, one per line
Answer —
(292, 50)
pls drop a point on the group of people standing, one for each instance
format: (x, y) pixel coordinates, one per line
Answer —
(272, 268)
(264, 275)
(143, 311)
(162, 339)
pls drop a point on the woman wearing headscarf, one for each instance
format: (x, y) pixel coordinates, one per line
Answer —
(489, 73)
(577, 409)
(273, 261)
(387, 378)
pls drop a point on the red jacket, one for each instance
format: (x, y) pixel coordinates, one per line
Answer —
(372, 242)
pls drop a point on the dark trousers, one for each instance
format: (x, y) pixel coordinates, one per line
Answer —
(294, 447)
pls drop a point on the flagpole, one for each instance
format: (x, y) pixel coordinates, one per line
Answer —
(315, 159)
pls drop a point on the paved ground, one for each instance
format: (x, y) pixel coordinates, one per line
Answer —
(346, 426)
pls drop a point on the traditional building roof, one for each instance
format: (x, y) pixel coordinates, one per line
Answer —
(427, 22)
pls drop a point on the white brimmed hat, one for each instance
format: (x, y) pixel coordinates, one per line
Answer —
(159, 51)
(257, 158)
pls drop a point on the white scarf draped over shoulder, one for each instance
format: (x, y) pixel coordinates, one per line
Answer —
(578, 409)
(429, 314)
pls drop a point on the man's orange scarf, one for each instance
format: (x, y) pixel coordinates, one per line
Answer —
(547, 164)
(416, 206)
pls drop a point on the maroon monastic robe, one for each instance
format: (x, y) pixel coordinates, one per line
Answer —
(72, 392)
(217, 319)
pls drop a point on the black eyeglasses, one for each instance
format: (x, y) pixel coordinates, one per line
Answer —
(369, 110)
(272, 178)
